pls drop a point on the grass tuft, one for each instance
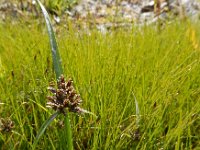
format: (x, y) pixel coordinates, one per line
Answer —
(161, 68)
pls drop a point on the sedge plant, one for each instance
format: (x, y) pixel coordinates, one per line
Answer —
(63, 97)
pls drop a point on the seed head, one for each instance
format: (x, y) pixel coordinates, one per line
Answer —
(65, 96)
(6, 125)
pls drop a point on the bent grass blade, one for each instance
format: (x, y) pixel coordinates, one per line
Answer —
(43, 128)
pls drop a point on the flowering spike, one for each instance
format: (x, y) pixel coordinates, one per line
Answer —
(64, 97)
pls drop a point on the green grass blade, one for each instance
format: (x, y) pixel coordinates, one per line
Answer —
(137, 111)
(54, 48)
(43, 128)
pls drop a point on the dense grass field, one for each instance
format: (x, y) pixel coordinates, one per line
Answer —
(157, 67)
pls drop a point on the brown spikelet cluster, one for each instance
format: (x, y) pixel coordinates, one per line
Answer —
(65, 96)
(6, 125)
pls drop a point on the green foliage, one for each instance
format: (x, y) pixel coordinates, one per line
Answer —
(161, 69)
(58, 6)
(43, 128)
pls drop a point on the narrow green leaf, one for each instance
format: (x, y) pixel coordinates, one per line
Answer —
(54, 48)
(137, 111)
(43, 128)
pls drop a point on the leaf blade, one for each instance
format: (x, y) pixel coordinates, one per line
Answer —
(54, 48)
(43, 128)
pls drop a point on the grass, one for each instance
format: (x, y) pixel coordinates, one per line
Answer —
(161, 68)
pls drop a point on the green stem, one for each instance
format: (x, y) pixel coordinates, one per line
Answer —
(68, 132)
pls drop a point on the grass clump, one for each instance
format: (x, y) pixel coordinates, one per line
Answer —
(161, 69)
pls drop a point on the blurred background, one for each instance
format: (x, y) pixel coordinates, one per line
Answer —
(103, 13)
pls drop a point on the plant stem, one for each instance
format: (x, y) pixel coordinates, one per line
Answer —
(68, 132)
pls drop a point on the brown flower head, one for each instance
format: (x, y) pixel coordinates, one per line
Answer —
(6, 125)
(65, 96)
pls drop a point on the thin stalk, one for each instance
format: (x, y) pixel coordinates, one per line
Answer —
(68, 132)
